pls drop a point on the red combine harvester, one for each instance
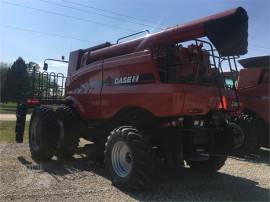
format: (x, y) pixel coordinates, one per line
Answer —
(253, 91)
(161, 96)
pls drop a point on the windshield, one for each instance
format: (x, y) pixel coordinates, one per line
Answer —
(229, 83)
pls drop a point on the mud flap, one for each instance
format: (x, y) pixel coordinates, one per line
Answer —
(20, 121)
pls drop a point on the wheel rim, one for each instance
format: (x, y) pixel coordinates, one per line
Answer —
(122, 159)
(35, 139)
(238, 135)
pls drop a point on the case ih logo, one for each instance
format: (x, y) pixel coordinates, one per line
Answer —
(126, 79)
(130, 79)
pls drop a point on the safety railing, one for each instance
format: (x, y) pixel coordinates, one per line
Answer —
(47, 85)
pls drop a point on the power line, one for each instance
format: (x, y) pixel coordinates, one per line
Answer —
(87, 11)
(126, 16)
(81, 19)
(66, 16)
(68, 37)
(44, 33)
(112, 12)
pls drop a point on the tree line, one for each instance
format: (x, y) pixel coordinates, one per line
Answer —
(20, 80)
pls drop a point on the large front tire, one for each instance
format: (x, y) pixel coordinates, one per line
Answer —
(128, 158)
(43, 134)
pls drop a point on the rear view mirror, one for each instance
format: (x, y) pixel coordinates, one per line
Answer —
(45, 67)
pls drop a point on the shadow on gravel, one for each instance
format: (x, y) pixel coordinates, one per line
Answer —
(183, 185)
(186, 185)
(262, 156)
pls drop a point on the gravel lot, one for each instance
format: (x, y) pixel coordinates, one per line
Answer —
(80, 179)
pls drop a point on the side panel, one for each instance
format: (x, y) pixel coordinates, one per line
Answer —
(155, 98)
(257, 99)
(122, 90)
(248, 78)
(160, 99)
(84, 89)
(254, 92)
(199, 99)
(132, 81)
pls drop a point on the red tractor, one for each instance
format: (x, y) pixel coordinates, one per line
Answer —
(160, 96)
(253, 92)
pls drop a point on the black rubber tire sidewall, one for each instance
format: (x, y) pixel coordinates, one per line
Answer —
(47, 132)
(70, 120)
(253, 130)
(141, 174)
(115, 178)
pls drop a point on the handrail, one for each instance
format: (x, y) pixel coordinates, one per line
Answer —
(148, 32)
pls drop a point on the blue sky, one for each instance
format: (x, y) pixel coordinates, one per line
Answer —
(36, 47)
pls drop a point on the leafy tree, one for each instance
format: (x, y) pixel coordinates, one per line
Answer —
(17, 81)
(3, 77)
(4, 65)
(32, 66)
(23, 80)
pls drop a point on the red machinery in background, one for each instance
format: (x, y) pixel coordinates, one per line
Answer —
(253, 92)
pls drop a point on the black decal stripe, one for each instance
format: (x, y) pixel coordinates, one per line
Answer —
(146, 78)
(87, 86)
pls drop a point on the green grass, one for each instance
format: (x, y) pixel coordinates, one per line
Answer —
(7, 131)
(9, 108)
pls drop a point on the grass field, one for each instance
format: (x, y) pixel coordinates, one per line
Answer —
(9, 108)
(7, 131)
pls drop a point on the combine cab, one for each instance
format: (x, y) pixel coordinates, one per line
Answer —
(158, 98)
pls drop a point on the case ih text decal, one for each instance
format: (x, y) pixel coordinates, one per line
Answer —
(130, 79)
(126, 79)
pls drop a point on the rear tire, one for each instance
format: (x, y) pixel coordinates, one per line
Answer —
(43, 133)
(253, 131)
(210, 166)
(68, 121)
(128, 158)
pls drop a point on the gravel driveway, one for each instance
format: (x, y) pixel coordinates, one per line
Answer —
(80, 180)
